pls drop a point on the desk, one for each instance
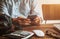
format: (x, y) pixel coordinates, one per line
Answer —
(41, 27)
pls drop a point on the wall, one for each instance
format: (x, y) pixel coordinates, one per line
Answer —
(49, 2)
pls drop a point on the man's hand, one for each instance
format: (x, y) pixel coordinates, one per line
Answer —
(31, 20)
(22, 21)
(35, 20)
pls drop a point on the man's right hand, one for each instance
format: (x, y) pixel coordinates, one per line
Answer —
(22, 21)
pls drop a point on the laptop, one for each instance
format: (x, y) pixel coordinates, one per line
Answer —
(21, 33)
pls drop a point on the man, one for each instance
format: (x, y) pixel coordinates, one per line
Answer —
(21, 8)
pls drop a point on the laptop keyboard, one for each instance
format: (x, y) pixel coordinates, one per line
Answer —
(21, 33)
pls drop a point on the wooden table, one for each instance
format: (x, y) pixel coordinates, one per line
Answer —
(41, 27)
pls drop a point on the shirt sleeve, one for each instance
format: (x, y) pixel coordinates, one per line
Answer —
(35, 8)
(5, 10)
(7, 7)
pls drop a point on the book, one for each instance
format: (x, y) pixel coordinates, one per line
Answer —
(57, 26)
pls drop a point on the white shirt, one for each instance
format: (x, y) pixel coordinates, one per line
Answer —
(21, 8)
